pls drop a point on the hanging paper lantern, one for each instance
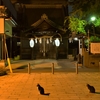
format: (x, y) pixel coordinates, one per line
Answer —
(40, 40)
(57, 42)
(35, 40)
(50, 39)
(31, 43)
(47, 41)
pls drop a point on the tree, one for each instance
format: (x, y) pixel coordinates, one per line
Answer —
(76, 25)
(85, 8)
(80, 17)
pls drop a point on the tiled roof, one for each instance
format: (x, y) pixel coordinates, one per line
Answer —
(44, 18)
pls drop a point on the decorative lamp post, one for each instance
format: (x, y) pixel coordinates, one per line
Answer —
(93, 19)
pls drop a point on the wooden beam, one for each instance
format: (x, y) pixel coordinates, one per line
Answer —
(43, 6)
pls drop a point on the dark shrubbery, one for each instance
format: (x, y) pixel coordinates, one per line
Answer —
(2, 71)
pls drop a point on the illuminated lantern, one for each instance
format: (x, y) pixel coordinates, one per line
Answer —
(57, 42)
(31, 43)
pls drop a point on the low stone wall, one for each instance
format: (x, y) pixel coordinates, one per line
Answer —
(91, 60)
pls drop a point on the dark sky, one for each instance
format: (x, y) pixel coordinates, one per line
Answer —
(9, 5)
(69, 9)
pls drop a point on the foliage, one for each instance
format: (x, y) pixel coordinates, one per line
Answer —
(86, 42)
(96, 22)
(85, 8)
(80, 18)
(2, 71)
(76, 25)
(82, 11)
(94, 39)
(17, 57)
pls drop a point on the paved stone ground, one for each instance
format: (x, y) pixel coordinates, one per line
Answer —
(60, 85)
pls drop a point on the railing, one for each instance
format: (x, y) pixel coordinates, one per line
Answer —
(51, 65)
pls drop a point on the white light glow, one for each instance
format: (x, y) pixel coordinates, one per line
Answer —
(76, 39)
(31, 43)
(57, 42)
(93, 18)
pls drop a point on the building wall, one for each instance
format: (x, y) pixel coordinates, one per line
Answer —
(29, 11)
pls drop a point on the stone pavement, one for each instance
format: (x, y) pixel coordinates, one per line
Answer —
(60, 85)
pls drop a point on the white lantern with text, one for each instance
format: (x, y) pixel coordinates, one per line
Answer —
(31, 43)
(57, 42)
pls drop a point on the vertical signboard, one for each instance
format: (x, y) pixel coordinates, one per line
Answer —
(80, 46)
(1, 25)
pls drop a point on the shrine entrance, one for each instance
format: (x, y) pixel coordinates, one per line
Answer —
(47, 40)
(44, 49)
